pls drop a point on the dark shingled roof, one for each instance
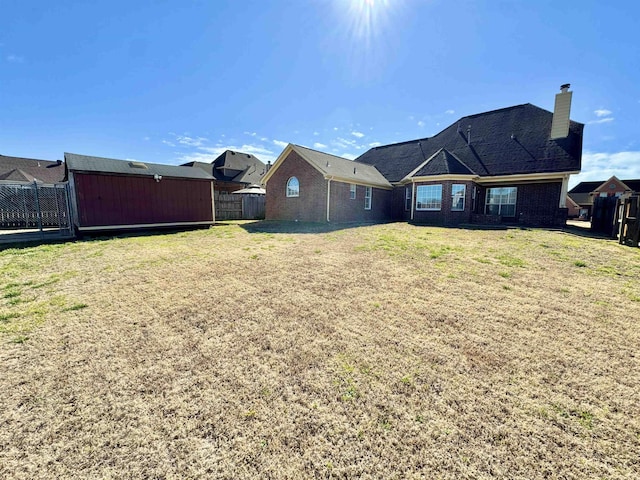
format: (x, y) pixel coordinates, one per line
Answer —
(632, 184)
(85, 163)
(22, 170)
(586, 187)
(509, 141)
(244, 167)
(441, 163)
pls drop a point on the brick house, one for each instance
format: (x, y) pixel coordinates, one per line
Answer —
(28, 170)
(310, 186)
(232, 171)
(510, 165)
(584, 192)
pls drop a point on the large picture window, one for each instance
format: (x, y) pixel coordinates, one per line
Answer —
(293, 187)
(367, 198)
(458, 192)
(501, 201)
(429, 197)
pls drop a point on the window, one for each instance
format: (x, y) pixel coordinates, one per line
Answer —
(501, 201)
(429, 197)
(293, 187)
(367, 198)
(352, 191)
(458, 192)
(407, 198)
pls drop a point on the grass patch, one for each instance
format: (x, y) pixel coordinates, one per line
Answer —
(363, 352)
(75, 307)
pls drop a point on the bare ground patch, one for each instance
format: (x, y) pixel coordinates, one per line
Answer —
(389, 351)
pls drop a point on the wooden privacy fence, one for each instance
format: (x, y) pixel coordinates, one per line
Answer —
(603, 216)
(231, 206)
(629, 210)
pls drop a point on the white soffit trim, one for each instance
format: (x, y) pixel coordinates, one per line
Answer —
(433, 178)
(365, 184)
(527, 177)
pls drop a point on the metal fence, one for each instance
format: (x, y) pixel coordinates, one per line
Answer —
(34, 206)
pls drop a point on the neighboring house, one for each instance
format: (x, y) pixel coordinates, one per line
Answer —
(504, 166)
(310, 186)
(573, 209)
(233, 170)
(110, 194)
(584, 193)
(28, 170)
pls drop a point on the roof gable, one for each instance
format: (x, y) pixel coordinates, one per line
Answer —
(333, 167)
(442, 162)
(20, 169)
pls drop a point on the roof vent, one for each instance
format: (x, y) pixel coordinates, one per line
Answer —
(469, 135)
(137, 165)
(354, 170)
(513, 136)
(327, 163)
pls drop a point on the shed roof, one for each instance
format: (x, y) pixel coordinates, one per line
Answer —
(509, 141)
(22, 170)
(86, 163)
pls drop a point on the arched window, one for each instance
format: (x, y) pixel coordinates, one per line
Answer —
(293, 187)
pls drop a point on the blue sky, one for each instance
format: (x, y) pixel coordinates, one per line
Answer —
(172, 81)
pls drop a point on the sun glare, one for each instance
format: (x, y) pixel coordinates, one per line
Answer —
(367, 18)
(366, 31)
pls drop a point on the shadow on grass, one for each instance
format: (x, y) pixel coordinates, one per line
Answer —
(587, 233)
(272, 226)
(28, 240)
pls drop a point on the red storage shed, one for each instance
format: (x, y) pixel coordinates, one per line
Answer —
(109, 194)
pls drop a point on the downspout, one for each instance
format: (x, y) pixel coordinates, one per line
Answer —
(328, 197)
(213, 203)
(565, 190)
(413, 195)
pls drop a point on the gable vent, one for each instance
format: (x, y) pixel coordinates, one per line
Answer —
(561, 111)
(137, 165)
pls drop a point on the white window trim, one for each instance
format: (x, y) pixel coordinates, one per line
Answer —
(368, 194)
(429, 209)
(464, 195)
(287, 188)
(407, 196)
(353, 191)
(515, 203)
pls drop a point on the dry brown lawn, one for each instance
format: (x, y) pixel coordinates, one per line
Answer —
(272, 351)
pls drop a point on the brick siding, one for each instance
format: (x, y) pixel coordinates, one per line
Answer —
(310, 206)
(344, 209)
